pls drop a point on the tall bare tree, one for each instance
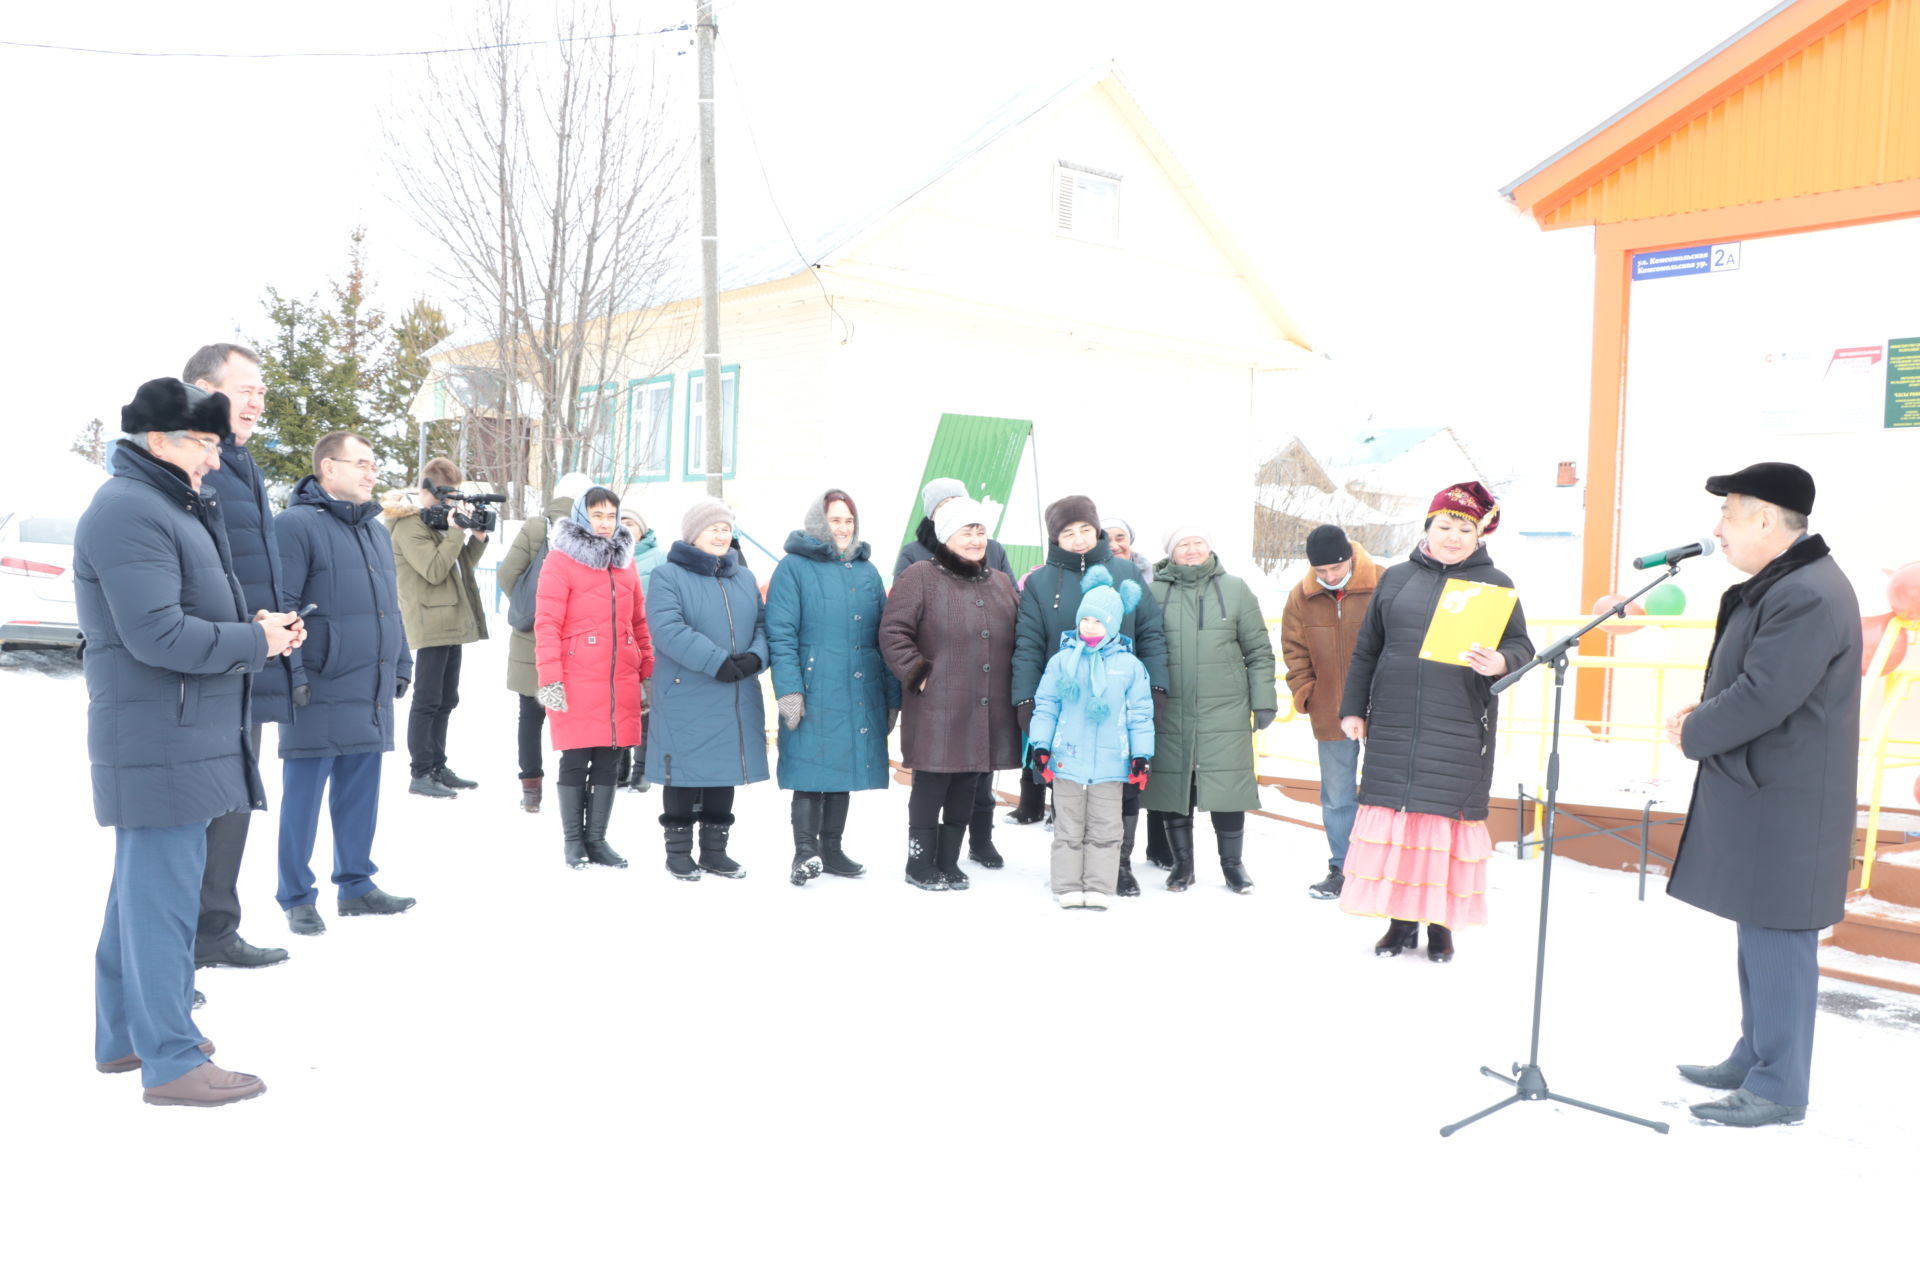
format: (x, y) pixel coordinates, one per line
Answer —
(551, 178)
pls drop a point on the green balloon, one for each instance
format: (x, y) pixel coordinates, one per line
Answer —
(1666, 600)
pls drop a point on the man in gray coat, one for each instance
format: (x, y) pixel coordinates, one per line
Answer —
(1770, 829)
(171, 652)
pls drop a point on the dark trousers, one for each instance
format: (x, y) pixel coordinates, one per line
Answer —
(351, 785)
(436, 692)
(143, 968)
(592, 766)
(1779, 993)
(533, 719)
(955, 794)
(220, 883)
(680, 806)
(980, 823)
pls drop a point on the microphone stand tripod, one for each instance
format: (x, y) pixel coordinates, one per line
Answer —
(1528, 1081)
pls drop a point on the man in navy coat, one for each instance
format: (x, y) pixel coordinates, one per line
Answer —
(171, 650)
(241, 497)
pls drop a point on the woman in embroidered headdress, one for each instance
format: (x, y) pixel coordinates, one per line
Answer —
(1419, 848)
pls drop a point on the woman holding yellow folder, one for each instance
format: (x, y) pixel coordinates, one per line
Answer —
(1418, 695)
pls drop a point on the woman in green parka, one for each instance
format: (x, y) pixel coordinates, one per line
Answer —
(1220, 689)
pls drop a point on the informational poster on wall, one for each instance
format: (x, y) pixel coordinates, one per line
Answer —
(1801, 348)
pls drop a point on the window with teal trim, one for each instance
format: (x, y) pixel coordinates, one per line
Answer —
(649, 428)
(594, 434)
(695, 465)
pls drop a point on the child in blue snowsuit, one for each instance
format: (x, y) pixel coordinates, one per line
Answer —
(1092, 736)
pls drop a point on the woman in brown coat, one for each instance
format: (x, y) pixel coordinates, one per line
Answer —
(948, 636)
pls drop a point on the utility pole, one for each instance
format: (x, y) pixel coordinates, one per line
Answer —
(714, 397)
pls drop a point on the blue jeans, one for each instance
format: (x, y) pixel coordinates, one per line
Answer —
(1339, 798)
(143, 968)
(352, 784)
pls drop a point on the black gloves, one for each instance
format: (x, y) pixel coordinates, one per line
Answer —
(1023, 712)
(302, 694)
(1041, 773)
(400, 688)
(739, 666)
(1159, 704)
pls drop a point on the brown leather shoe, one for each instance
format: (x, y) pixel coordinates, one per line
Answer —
(205, 1086)
(132, 1061)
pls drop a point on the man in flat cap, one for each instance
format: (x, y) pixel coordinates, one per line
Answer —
(171, 652)
(1770, 828)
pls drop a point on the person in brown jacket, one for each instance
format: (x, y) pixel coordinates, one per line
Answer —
(1317, 631)
(948, 635)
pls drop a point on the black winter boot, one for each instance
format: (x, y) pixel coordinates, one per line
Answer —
(833, 825)
(980, 830)
(599, 813)
(1439, 944)
(1157, 852)
(923, 871)
(806, 808)
(1330, 887)
(573, 823)
(1230, 865)
(951, 838)
(713, 846)
(1033, 802)
(1179, 829)
(530, 794)
(679, 838)
(1126, 886)
(1401, 935)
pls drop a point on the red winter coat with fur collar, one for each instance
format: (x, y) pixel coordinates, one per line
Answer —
(590, 634)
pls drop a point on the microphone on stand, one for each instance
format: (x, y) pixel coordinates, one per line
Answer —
(1704, 547)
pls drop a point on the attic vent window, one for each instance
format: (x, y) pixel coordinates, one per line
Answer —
(1086, 202)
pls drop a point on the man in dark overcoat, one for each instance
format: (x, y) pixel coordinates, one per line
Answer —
(240, 494)
(1770, 829)
(171, 649)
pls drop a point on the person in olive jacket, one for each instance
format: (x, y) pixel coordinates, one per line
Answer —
(240, 495)
(837, 699)
(434, 557)
(170, 653)
(529, 548)
(708, 731)
(336, 555)
(1770, 828)
(1050, 609)
(1420, 845)
(1318, 628)
(948, 636)
(1220, 689)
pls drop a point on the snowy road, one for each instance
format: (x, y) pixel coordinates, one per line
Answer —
(538, 1072)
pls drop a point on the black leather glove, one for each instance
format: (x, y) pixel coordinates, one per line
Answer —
(400, 688)
(302, 694)
(1261, 719)
(737, 667)
(1023, 712)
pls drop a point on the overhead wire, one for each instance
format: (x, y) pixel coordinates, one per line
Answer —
(346, 53)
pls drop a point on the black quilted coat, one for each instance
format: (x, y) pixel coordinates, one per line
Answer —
(1430, 725)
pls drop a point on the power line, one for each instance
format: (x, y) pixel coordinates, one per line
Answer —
(347, 53)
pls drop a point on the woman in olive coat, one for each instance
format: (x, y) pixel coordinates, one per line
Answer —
(1220, 690)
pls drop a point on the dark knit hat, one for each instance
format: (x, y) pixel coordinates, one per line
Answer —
(1072, 509)
(1328, 545)
(168, 404)
(1781, 483)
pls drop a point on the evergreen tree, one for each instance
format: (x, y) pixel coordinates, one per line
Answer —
(90, 442)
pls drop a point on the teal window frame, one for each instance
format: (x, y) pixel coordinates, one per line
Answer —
(698, 457)
(632, 429)
(579, 461)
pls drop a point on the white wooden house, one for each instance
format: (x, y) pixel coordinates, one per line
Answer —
(1059, 268)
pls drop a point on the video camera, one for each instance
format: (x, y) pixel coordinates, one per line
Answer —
(482, 519)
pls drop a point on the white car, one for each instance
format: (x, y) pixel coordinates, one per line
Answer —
(36, 578)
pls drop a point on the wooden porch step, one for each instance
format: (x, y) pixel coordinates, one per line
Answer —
(1875, 927)
(1896, 877)
(1869, 970)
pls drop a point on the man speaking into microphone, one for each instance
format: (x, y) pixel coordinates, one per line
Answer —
(1770, 829)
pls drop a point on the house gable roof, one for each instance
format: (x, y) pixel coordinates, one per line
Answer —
(1718, 132)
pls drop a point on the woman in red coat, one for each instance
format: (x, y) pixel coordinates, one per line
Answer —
(593, 656)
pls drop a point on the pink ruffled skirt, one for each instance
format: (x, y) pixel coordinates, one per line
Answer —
(1417, 866)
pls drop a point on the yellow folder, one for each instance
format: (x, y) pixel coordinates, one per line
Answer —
(1469, 613)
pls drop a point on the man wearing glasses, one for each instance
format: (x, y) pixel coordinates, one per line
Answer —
(241, 496)
(171, 650)
(335, 555)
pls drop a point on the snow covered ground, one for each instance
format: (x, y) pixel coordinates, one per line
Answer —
(544, 1072)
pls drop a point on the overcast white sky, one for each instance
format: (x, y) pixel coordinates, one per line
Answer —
(1356, 150)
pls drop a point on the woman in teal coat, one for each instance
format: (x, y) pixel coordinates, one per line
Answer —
(837, 699)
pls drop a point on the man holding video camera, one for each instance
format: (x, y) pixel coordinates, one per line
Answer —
(435, 546)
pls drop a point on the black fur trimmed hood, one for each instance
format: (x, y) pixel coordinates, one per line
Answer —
(965, 570)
